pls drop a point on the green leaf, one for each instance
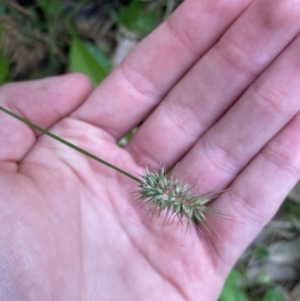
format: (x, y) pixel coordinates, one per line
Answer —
(135, 17)
(231, 290)
(1, 30)
(4, 63)
(291, 210)
(100, 57)
(51, 8)
(126, 138)
(89, 60)
(4, 69)
(2, 10)
(262, 278)
(274, 294)
(262, 252)
(170, 8)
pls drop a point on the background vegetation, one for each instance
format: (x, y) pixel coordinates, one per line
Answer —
(42, 38)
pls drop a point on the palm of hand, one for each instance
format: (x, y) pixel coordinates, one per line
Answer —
(81, 231)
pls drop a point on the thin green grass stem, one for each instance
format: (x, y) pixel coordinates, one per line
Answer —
(36, 127)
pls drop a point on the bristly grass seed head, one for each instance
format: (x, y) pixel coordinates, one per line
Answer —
(170, 195)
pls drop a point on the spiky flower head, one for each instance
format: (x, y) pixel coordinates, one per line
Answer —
(170, 195)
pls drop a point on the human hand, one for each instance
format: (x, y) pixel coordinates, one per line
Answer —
(227, 108)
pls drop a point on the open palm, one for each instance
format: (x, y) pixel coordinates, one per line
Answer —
(225, 104)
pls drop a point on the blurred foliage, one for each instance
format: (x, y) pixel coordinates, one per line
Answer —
(37, 39)
(43, 38)
(270, 268)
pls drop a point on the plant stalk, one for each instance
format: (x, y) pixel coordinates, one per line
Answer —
(86, 153)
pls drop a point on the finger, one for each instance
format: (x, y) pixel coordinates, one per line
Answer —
(215, 82)
(43, 102)
(266, 107)
(149, 72)
(257, 193)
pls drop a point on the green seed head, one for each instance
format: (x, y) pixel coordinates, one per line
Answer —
(171, 195)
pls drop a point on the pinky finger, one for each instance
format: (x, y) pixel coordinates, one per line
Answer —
(256, 194)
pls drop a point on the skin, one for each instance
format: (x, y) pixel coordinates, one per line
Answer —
(217, 88)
